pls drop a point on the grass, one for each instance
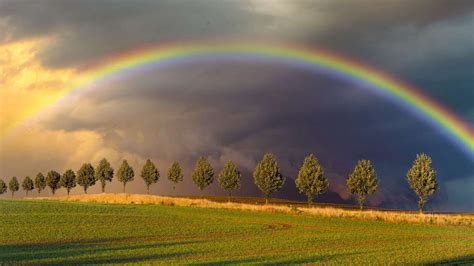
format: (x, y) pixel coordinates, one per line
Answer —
(57, 232)
(291, 207)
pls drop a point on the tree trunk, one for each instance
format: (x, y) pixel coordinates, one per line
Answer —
(266, 199)
(421, 203)
(68, 189)
(85, 190)
(27, 193)
(13, 194)
(228, 198)
(361, 202)
(148, 190)
(124, 187)
(103, 187)
(310, 200)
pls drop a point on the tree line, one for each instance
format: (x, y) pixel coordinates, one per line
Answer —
(311, 180)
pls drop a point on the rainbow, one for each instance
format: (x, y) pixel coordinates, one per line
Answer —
(398, 92)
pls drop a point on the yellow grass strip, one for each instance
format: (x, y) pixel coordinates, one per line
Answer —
(390, 216)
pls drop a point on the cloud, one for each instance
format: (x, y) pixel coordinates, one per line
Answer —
(233, 110)
(26, 85)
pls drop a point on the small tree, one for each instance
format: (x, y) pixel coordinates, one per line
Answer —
(86, 176)
(125, 173)
(68, 180)
(267, 176)
(363, 181)
(104, 173)
(27, 185)
(13, 186)
(149, 174)
(3, 187)
(52, 181)
(175, 174)
(422, 179)
(40, 182)
(311, 180)
(229, 178)
(203, 174)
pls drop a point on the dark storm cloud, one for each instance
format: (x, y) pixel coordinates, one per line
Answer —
(86, 30)
(240, 110)
(261, 108)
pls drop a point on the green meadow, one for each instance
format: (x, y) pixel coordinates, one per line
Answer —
(54, 232)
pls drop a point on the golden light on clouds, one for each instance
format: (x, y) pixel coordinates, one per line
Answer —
(26, 86)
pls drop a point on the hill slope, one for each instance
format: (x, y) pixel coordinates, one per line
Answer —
(56, 232)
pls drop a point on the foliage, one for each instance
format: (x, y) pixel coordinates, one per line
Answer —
(52, 181)
(27, 185)
(86, 176)
(175, 174)
(125, 173)
(3, 187)
(104, 173)
(422, 179)
(68, 180)
(203, 174)
(149, 174)
(40, 182)
(363, 181)
(267, 176)
(229, 178)
(311, 180)
(13, 186)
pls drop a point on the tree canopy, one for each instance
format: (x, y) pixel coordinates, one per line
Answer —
(86, 176)
(52, 181)
(149, 174)
(422, 179)
(68, 180)
(311, 180)
(175, 174)
(267, 176)
(13, 185)
(229, 178)
(40, 182)
(203, 174)
(104, 173)
(362, 181)
(125, 173)
(3, 187)
(27, 185)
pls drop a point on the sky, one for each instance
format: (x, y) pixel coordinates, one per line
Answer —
(237, 110)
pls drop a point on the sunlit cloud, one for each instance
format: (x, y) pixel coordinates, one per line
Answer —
(26, 86)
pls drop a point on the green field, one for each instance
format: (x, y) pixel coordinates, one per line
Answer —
(53, 232)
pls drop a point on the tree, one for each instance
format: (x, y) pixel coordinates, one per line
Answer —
(229, 178)
(13, 186)
(3, 187)
(149, 174)
(125, 173)
(104, 173)
(311, 180)
(27, 185)
(86, 176)
(363, 181)
(267, 176)
(68, 180)
(175, 174)
(52, 181)
(40, 182)
(203, 174)
(422, 179)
